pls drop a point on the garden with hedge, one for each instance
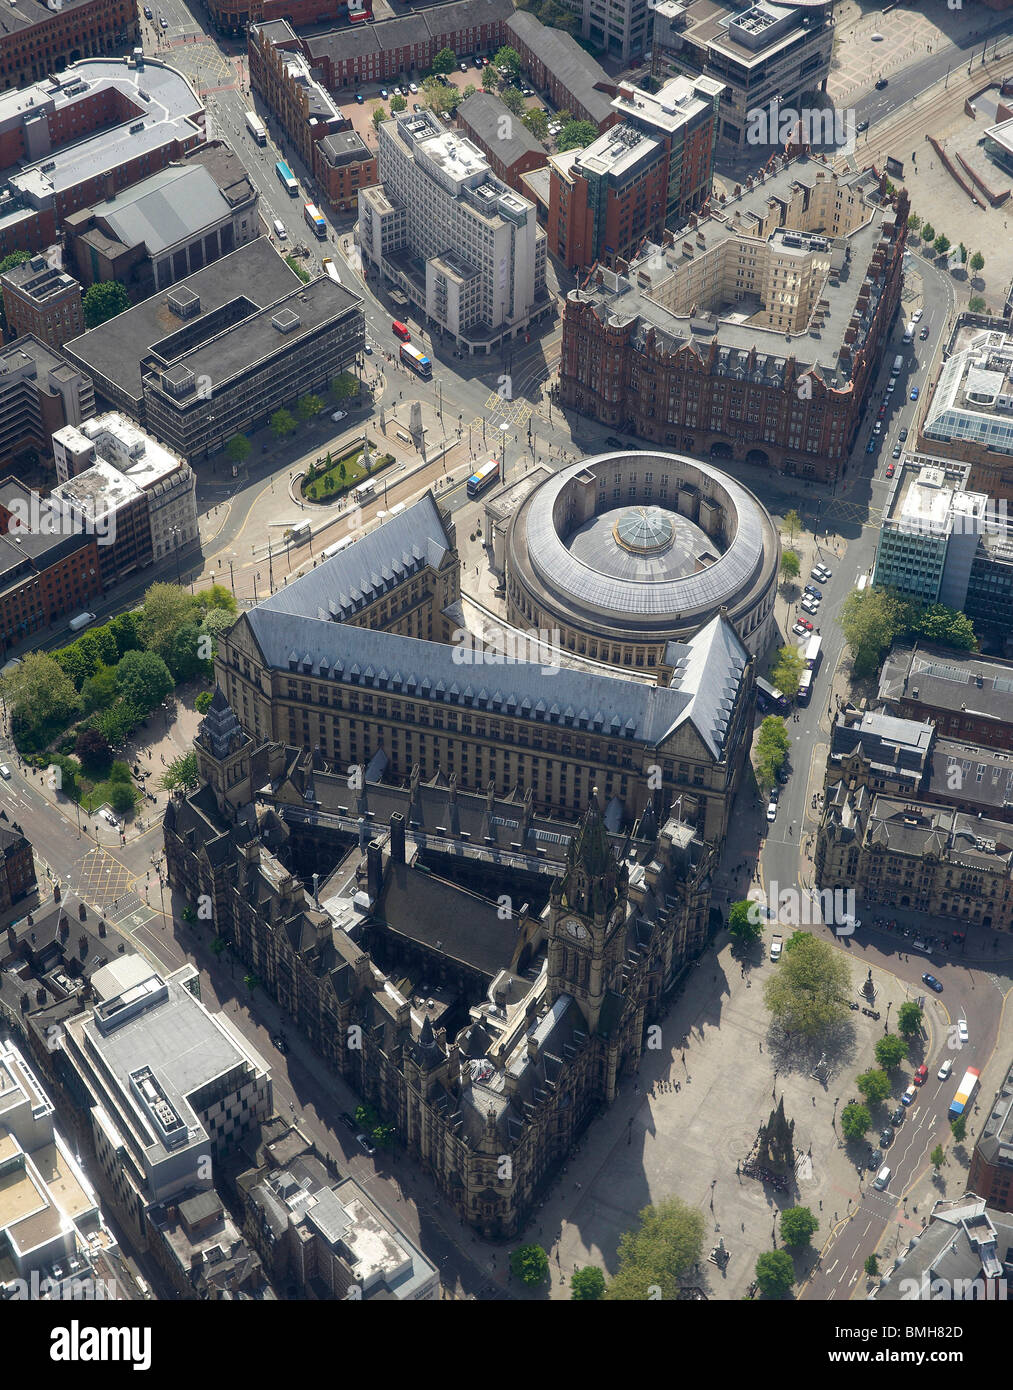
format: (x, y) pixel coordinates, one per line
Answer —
(72, 708)
(334, 474)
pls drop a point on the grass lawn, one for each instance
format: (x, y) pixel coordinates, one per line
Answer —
(330, 481)
(96, 794)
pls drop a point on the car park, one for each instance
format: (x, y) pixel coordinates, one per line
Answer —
(886, 1137)
(771, 810)
(361, 1139)
(897, 1116)
(914, 393)
(909, 1095)
(890, 470)
(338, 415)
(5, 772)
(945, 1069)
(921, 1075)
(903, 434)
(932, 982)
(962, 1033)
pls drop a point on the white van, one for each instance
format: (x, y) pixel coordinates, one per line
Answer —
(909, 333)
(898, 362)
(882, 1178)
(279, 229)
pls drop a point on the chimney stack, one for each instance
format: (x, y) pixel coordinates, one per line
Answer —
(374, 869)
(397, 832)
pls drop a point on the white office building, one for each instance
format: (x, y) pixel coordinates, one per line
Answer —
(462, 246)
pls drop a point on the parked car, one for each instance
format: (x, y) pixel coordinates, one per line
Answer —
(800, 631)
(932, 982)
(897, 1116)
(526, 92)
(916, 316)
(359, 98)
(812, 589)
(945, 1069)
(384, 94)
(870, 448)
(477, 61)
(775, 948)
(147, 12)
(824, 571)
(877, 427)
(163, 21)
(348, 1121)
(279, 1043)
(5, 772)
(416, 107)
(806, 624)
(914, 393)
(924, 333)
(886, 1137)
(782, 776)
(909, 1095)
(921, 1075)
(361, 1139)
(109, 818)
(463, 67)
(862, 125)
(903, 434)
(874, 1160)
(962, 1033)
(413, 87)
(771, 810)
(338, 415)
(368, 350)
(890, 470)
(398, 92)
(883, 82)
(882, 1178)
(882, 412)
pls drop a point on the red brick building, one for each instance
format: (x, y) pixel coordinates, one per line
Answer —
(653, 350)
(17, 867)
(234, 16)
(36, 40)
(42, 300)
(508, 145)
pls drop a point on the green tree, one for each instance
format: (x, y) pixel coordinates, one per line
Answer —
(871, 619)
(118, 721)
(398, 103)
(181, 774)
(658, 1252)
(93, 751)
(469, 91)
(509, 58)
(143, 680)
(928, 232)
(575, 135)
(294, 266)
(775, 1273)
(874, 1085)
(855, 1120)
(203, 702)
(890, 1051)
(283, 423)
(976, 304)
(798, 1226)
(937, 1157)
(946, 626)
(809, 994)
(792, 524)
(215, 623)
(772, 745)
(913, 222)
(744, 924)
(445, 60)
(872, 1266)
(215, 596)
(796, 939)
(99, 691)
(958, 1128)
(941, 245)
(379, 115)
(103, 302)
(537, 122)
(962, 249)
(182, 658)
(514, 102)
(164, 610)
(219, 945)
(791, 566)
(587, 1285)
(909, 1019)
(977, 262)
(251, 981)
(529, 1264)
(308, 406)
(787, 670)
(237, 450)
(39, 692)
(122, 797)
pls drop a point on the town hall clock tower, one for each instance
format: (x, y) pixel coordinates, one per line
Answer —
(587, 920)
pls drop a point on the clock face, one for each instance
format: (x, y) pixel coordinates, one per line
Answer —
(576, 929)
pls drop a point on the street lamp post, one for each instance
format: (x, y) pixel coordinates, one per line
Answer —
(256, 578)
(270, 566)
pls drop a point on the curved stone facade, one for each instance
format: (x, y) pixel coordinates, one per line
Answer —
(626, 552)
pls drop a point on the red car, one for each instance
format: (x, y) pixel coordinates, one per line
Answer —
(920, 1075)
(806, 624)
(889, 470)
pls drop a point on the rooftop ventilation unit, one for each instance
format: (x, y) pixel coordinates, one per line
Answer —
(183, 303)
(285, 320)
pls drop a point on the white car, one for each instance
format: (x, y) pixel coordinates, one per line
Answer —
(398, 92)
(917, 315)
(5, 771)
(962, 1032)
(771, 809)
(413, 88)
(339, 415)
(945, 1069)
(109, 818)
(800, 631)
(775, 948)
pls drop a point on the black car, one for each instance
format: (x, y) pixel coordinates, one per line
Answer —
(615, 443)
(886, 1137)
(349, 1121)
(874, 1160)
(280, 1043)
(147, 12)
(782, 776)
(883, 82)
(932, 982)
(863, 125)
(897, 1118)
(903, 434)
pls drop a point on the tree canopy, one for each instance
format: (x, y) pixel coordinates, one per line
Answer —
(787, 670)
(775, 1273)
(744, 922)
(890, 1051)
(871, 619)
(181, 773)
(575, 135)
(909, 1018)
(855, 1120)
(143, 679)
(658, 1252)
(791, 565)
(772, 747)
(509, 58)
(874, 1085)
(798, 1226)
(103, 301)
(529, 1264)
(445, 60)
(587, 1285)
(808, 995)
